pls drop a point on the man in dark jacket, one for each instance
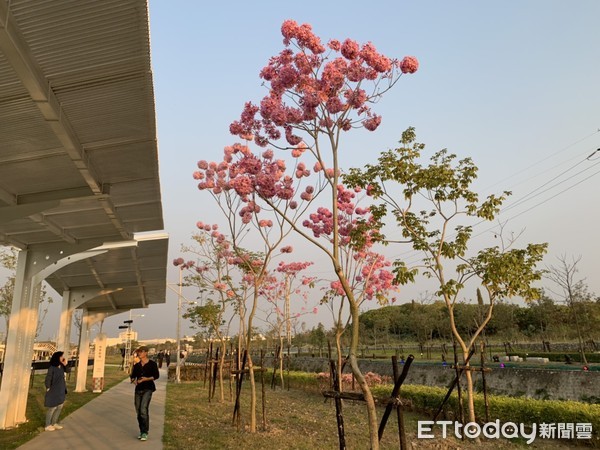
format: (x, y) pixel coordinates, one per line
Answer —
(143, 375)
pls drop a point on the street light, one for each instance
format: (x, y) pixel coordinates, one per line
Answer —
(127, 340)
(180, 297)
(127, 346)
(178, 366)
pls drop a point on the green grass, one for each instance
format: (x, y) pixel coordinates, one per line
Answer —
(296, 419)
(36, 412)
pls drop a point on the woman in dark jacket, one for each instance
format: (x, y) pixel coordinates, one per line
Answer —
(56, 390)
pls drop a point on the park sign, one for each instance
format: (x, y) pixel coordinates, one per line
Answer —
(99, 360)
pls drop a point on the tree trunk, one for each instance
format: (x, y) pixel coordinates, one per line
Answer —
(470, 397)
(252, 395)
(221, 364)
(364, 387)
(280, 356)
(338, 368)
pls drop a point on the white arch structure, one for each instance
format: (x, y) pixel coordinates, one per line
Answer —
(79, 184)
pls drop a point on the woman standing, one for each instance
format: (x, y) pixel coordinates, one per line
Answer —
(56, 390)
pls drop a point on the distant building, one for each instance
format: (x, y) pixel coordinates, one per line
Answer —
(122, 339)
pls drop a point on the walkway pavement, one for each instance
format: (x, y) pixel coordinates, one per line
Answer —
(108, 422)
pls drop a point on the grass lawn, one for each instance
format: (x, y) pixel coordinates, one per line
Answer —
(296, 419)
(36, 412)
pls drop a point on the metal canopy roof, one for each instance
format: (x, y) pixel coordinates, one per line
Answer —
(78, 151)
(127, 277)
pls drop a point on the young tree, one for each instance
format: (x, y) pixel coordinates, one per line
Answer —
(574, 292)
(314, 97)
(230, 183)
(282, 283)
(217, 280)
(317, 337)
(431, 199)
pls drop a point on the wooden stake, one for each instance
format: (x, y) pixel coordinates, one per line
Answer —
(397, 384)
(483, 370)
(338, 406)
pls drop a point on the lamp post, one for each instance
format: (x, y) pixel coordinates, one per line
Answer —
(178, 366)
(180, 264)
(127, 327)
(128, 341)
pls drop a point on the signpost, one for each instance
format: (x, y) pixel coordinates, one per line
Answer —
(99, 362)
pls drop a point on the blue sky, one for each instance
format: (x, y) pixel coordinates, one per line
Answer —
(514, 85)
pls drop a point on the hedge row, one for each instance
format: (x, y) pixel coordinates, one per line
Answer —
(506, 409)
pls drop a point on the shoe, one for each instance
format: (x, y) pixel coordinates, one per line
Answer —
(144, 437)
(58, 427)
(140, 436)
(50, 428)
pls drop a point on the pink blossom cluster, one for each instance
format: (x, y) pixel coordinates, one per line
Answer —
(292, 268)
(308, 280)
(214, 233)
(373, 278)
(409, 64)
(317, 82)
(349, 217)
(179, 262)
(220, 286)
(247, 174)
(247, 263)
(376, 278)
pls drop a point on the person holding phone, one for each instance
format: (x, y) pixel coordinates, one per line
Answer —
(143, 375)
(56, 390)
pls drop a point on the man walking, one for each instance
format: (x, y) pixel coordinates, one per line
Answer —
(143, 375)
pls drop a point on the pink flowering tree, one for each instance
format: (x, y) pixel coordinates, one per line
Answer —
(367, 273)
(285, 282)
(315, 94)
(217, 282)
(256, 232)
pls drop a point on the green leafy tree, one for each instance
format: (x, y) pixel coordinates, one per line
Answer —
(433, 197)
(318, 337)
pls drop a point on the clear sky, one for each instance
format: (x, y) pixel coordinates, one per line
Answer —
(514, 85)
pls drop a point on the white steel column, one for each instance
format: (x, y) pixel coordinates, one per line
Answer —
(63, 341)
(32, 267)
(84, 352)
(17, 360)
(87, 321)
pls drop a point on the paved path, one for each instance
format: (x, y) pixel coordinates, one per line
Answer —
(107, 423)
